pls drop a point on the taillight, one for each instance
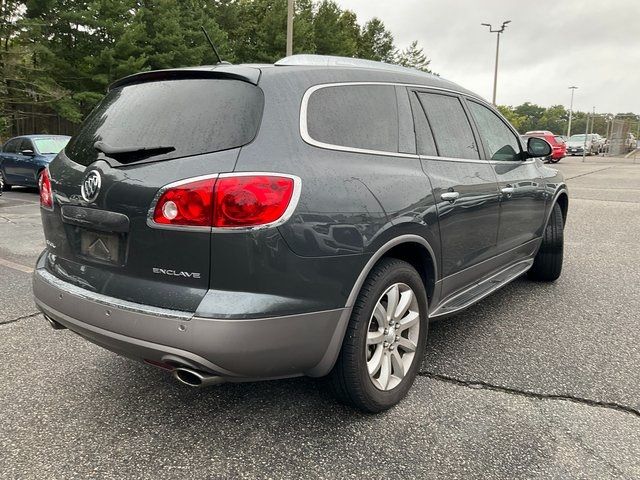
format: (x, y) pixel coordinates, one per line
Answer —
(252, 200)
(229, 201)
(186, 204)
(44, 185)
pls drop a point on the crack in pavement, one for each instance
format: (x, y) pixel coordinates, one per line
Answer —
(589, 173)
(481, 385)
(20, 318)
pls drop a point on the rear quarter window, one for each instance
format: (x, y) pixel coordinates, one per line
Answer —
(355, 116)
(194, 116)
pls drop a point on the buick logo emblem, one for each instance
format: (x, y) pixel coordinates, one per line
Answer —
(90, 187)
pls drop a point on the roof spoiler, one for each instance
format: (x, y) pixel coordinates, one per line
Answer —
(233, 72)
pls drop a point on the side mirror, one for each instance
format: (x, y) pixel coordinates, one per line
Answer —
(28, 153)
(538, 147)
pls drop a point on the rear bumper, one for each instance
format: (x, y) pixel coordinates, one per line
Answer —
(275, 347)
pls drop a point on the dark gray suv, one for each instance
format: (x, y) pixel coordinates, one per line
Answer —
(234, 223)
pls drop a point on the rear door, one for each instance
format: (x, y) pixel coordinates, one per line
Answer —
(105, 243)
(522, 192)
(464, 186)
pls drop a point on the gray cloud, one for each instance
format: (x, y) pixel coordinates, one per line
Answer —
(550, 45)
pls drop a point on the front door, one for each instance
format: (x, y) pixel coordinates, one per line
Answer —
(522, 192)
(9, 160)
(464, 186)
(25, 164)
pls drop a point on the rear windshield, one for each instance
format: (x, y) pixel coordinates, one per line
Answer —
(193, 116)
(48, 145)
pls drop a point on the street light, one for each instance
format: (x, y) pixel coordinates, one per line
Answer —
(289, 28)
(495, 73)
(573, 89)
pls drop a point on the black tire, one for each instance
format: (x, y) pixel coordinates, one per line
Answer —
(547, 264)
(349, 378)
(554, 160)
(5, 185)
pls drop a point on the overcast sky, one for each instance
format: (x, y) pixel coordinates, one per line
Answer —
(548, 46)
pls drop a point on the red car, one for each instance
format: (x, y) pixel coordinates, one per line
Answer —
(556, 142)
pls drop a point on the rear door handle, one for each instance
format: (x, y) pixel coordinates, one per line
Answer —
(450, 196)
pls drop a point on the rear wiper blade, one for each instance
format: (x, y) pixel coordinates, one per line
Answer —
(139, 152)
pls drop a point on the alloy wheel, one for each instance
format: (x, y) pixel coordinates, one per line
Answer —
(392, 336)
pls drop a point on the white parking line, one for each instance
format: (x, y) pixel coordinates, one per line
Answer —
(25, 204)
(15, 266)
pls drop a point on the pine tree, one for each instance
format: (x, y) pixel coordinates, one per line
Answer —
(376, 42)
(413, 57)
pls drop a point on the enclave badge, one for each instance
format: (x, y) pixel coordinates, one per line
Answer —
(90, 187)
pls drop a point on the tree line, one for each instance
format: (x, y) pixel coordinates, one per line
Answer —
(62, 54)
(529, 116)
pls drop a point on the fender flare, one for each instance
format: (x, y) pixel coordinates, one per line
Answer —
(331, 355)
(561, 190)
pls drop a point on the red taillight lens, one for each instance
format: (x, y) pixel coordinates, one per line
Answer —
(230, 201)
(252, 200)
(188, 204)
(44, 184)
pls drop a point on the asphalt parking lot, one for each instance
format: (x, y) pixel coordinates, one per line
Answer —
(536, 381)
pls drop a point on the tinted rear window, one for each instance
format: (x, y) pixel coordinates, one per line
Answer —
(47, 145)
(358, 116)
(194, 116)
(450, 125)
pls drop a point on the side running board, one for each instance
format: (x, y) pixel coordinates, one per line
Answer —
(477, 292)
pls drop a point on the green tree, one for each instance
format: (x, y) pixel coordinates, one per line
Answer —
(85, 45)
(413, 57)
(64, 53)
(376, 42)
(335, 32)
(25, 82)
(518, 121)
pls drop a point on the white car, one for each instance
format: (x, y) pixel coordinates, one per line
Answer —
(582, 142)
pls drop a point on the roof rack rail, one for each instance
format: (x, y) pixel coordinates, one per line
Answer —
(335, 61)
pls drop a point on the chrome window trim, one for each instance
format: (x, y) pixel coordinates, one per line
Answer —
(293, 203)
(304, 129)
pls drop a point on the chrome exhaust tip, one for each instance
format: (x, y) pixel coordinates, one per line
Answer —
(195, 378)
(55, 325)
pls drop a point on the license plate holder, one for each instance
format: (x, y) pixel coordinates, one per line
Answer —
(101, 246)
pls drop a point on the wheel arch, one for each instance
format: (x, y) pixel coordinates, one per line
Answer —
(411, 248)
(562, 199)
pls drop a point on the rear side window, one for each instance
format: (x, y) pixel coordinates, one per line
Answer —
(450, 126)
(12, 145)
(356, 116)
(424, 136)
(501, 143)
(193, 116)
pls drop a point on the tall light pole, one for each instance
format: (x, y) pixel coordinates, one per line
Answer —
(573, 88)
(290, 28)
(498, 31)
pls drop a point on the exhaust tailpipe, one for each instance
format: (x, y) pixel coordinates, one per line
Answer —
(55, 325)
(195, 378)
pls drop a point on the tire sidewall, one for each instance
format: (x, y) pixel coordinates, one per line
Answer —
(403, 274)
